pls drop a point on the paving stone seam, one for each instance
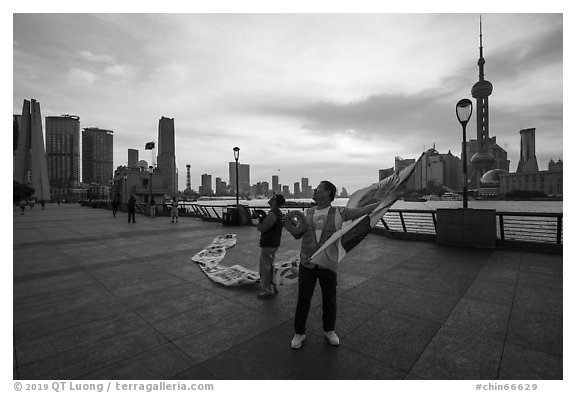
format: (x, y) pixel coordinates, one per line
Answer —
(85, 239)
(351, 349)
(442, 324)
(120, 300)
(100, 266)
(509, 317)
(148, 350)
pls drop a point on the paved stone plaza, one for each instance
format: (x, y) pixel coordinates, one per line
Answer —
(98, 298)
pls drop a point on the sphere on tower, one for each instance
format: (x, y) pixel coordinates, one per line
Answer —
(481, 89)
(482, 159)
(492, 178)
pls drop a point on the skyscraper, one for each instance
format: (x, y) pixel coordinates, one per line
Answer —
(297, 193)
(188, 178)
(275, 184)
(30, 167)
(97, 155)
(528, 161)
(63, 153)
(133, 158)
(206, 187)
(243, 178)
(167, 155)
(220, 187)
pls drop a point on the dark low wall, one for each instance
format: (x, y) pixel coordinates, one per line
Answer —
(466, 227)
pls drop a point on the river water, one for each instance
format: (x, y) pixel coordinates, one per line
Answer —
(501, 206)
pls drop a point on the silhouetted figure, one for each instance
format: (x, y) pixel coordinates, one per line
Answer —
(114, 207)
(22, 205)
(152, 207)
(270, 235)
(174, 209)
(132, 209)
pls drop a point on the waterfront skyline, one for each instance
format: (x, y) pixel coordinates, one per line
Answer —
(323, 96)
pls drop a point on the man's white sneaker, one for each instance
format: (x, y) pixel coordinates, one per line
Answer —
(332, 337)
(297, 340)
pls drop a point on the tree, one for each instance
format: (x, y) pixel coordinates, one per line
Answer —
(21, 191)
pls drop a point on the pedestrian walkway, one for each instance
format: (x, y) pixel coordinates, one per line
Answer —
(98, 298)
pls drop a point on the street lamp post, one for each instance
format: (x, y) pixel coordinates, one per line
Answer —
(463, 113)
(236, 156)
(152, 206)
(150, 170)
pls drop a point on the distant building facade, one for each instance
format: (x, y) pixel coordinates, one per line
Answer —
(528, 177)
(63, 156)
(434, 170)
(221, 187)
(306, 188)
(384, 173)
(167, 155)
(548, 182)
(206, 187)
(133, 158)
(97, 156)
(243, 178)
(297, 192)
(145, 180)
(275, 184)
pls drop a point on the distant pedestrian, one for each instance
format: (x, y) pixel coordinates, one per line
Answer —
(132, 209)
(270, 235)
(58, 202)
(32, 203)
(114, 207)
(174, 209)
(22, 205)
(152, 207)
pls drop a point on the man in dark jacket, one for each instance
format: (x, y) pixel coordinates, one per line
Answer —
(132, 209)
(271, 234)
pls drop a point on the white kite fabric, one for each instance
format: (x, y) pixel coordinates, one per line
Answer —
(209, 260)
(286, 273)
(385, 192)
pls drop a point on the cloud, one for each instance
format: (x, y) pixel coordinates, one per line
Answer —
(81, 77)
(121, 70)
(93, 58)
(388, 115)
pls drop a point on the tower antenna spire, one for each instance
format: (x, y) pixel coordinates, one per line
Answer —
(481, 55)
(481, 60)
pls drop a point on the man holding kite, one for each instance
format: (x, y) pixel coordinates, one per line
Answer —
(328, 233)
(321, 223)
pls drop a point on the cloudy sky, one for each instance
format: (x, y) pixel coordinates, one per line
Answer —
(323, 96)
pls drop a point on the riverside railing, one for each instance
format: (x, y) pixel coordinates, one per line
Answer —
(522, 230)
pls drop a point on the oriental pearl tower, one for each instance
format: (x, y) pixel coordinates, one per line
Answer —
(483, 160)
